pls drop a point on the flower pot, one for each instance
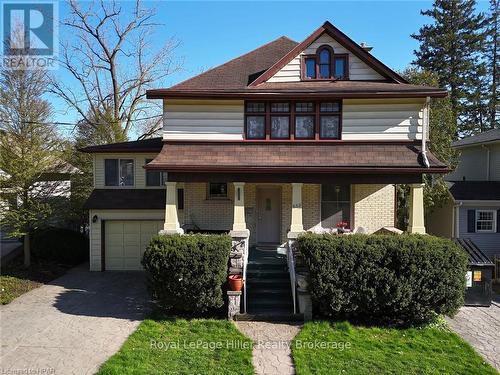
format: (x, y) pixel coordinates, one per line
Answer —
(235, 282)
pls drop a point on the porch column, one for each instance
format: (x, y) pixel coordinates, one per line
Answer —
(239, 223)
(171, 225)
(296, 225)
(416, 223)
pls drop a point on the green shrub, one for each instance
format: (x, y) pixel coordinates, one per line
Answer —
(186, 273)
(405, 279)
(60, 245)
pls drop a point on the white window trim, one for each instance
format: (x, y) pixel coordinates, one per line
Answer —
(494, 222)
(119, 172)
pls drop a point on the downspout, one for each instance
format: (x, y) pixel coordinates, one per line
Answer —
(487, 162)
(425, 126)
(457, 206)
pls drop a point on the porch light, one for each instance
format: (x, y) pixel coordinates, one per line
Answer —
(94, 219)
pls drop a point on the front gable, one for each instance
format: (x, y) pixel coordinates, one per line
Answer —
(358, 70)
(362, 66)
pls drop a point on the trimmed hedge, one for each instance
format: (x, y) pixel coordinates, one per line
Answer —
(60, 245)
(405, 279)
(186, 273)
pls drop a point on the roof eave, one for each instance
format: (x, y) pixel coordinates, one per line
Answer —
(261, 94)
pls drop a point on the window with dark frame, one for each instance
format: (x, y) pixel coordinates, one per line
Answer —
(155, 178)
(217, 190)
(325, 64)
(303, 120)
(119, 172)
(255, 120)
(335, 205)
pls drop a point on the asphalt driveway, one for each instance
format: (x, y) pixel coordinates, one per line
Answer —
(73, 324)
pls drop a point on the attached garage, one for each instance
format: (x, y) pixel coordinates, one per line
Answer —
(125, 242)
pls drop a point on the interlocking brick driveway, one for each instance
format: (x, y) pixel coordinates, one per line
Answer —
(480, 327)
(73, 324)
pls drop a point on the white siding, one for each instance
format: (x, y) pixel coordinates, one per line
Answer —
(203, 119)
(382, 119)
(358, 70)
(139, 171)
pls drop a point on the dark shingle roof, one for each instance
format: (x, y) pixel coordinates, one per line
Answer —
(476, 256)
(236, 73)
(484, 137)
(475, 190)
(132, 199)
(300, 157)
(144, 145)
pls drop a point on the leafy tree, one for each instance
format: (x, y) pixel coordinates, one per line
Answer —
(451, 47)
(442, 129)
(29, 148)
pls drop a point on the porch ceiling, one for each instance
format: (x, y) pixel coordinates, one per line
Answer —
(297, 158)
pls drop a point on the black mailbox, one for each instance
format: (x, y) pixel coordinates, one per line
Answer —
(479, 274)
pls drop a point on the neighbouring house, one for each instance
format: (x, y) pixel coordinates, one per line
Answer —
(473, 208)
(289, 137)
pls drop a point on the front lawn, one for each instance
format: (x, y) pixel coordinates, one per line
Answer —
(359, 350)
(180, 346)
(16, 280)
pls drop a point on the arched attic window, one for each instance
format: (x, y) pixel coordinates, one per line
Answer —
(325, 64)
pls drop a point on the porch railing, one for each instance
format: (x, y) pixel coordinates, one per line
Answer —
(291, 270)
(245, 262)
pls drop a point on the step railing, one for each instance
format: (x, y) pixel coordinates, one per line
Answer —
(291, 269)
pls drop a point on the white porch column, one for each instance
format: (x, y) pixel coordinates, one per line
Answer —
(296, 224)
(171, 225)
(239, 223)
(416, 223)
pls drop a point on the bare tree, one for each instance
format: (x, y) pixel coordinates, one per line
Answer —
(113, 61)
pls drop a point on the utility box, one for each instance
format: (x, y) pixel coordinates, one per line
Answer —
(478, 290)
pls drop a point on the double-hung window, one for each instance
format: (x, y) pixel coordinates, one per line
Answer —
(485, 220)
(119, 172)
(304, 120)
(329, 120)
(255, 120)
(280, 120)
(335, 205)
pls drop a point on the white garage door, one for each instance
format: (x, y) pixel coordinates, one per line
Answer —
(126, 241)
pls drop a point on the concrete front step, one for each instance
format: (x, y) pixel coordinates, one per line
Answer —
(270, 317)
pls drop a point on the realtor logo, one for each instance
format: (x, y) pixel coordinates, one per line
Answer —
(29, 34)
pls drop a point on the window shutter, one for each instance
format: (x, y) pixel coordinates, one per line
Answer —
(471, 221)
(498, 221)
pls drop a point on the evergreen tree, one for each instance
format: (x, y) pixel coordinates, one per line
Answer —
(451, 47)
(492, 65)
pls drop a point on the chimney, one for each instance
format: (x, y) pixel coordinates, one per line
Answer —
(366, 47)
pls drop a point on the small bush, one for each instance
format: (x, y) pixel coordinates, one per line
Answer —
(60, 245)
(405, 279)
(186, 273)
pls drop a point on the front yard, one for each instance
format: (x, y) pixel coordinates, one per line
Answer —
(16, 280)
(359, 350)
(179, 346)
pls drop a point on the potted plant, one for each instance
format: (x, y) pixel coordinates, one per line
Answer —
(235, 282)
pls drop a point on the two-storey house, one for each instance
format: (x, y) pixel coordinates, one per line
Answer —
(473, 208)
(287, 138)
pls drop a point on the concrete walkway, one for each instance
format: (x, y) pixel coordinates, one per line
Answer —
(480, 327)
(73, 324)
(271, 353)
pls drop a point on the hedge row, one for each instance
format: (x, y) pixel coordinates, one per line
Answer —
(60, 245)
(186, 273)
(405, 279)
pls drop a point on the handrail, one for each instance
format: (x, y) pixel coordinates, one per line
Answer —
(245, 262)
(291, 270)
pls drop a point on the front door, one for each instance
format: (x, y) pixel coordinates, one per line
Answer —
(268, 214)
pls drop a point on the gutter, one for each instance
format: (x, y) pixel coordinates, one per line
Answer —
(424, 132)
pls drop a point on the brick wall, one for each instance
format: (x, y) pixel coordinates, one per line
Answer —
(373, 206)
